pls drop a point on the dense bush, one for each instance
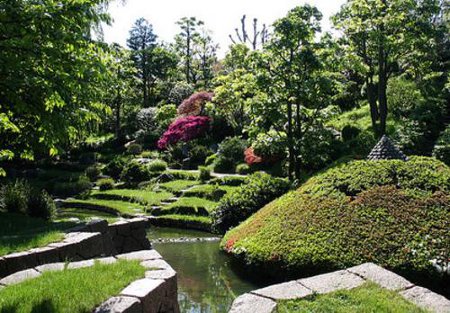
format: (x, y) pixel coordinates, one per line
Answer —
(350, 132)
(134, 149)
(238, 205)
(318, 149)
(233, 181)
(93, 171)
(106, 184)
(229, 154)
(204, 173)
(179, 92)
(210, 160)
(134, 173)
(115, 167)
(67, 189)
(243, 169)
(198, 154)
(165, 115)
(146, 119)
(14, 197)
(184, 129)
(88, 158)
(157, 166)
(392, 213)
(441, 150)
(41, 205)
(269, 146)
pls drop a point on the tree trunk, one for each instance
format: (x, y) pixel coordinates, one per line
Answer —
(188, 54)
(290, 141)
(118, 115)
(382, 80)
(372, 99)
(297, 159)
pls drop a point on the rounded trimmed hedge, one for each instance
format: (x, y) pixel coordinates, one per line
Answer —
(393, 213)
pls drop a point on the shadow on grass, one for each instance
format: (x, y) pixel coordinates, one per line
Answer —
(45, 306)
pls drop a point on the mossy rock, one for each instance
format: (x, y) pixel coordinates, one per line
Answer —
(393, 213)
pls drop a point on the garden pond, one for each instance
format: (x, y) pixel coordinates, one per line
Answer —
(208, 280)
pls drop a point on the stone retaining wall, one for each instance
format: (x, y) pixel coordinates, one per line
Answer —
(161, 221)
(95, 239)
(265, 300)
(156, 293)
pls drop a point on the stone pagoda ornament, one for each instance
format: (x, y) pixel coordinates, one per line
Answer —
(385, 149)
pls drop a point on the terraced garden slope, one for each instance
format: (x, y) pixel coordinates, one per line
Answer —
(392, 213)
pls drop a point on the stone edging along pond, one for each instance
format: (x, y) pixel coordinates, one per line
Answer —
(265, 300)
(156, 292)
(95, 239)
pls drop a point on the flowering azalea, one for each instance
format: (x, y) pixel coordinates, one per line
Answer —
(184, 129)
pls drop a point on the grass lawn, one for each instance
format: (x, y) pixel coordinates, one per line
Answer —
(193, 202)
(178, 185)
(209, 191)
(365, 299)
(20, 233)
(83, 215)
(120, 206)
(137, 195)
(71, 291)
(188, 218)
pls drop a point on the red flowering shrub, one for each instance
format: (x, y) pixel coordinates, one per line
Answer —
(194, 104)
(184, 129)
(251, 158)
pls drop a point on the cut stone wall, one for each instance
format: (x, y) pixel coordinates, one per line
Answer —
(95, 239)
(155, 293)
(265, 300)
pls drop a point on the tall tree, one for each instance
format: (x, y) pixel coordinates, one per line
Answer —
(206, 57)
(142, 42)
(297, 77)
(52, 73)
(185, 41)
(383, 37)
(257, 39)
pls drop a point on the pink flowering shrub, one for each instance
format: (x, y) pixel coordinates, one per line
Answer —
(184, 129)
(194, 104)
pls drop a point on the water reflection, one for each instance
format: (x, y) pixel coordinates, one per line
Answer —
(207, 282)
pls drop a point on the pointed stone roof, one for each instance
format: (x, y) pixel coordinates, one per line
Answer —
(385, 149)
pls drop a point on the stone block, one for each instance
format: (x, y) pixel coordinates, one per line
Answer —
(66, 250)
(131, 244)
(120, 305)
(46, 255)
(332, 281)
(3, 268)
(91, 246)
(381, 276)
(427, 299)
(149, 291)
(19, 277)
(142, 255)
(98, 226)
(285, 291)
(16, 262)
(51, 267)
(108, 260)
(81, 264)
(138, 223)
(249, 303)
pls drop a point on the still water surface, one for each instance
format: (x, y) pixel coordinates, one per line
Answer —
(207, 280)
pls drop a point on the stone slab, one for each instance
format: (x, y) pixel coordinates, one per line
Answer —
(284, 291)
(249, 303)
(19, 277)
(108, 260)
(80, 264)
(332, 281)
(51, 267)
(427, 299)
(120, 305)
(165, 274)
(142, 288)
(142, 255)
(382, 277)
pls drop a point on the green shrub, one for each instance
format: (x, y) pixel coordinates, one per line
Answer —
(243, 169)
(134, 149)
(157, 166)
(233, 181)
(106, 184)
(350, 132)
(238, 205)
(210, 160)
(115, 167)
(204, 173)
(392, 213)
(181, 175)
(67, 189)
(93, 171)
(198, 155)
(88, 158)
(135, 173)
(441, 150)
(14, 197)
(232, 148)
(150, 154)
(224, 165)
(40, 204)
